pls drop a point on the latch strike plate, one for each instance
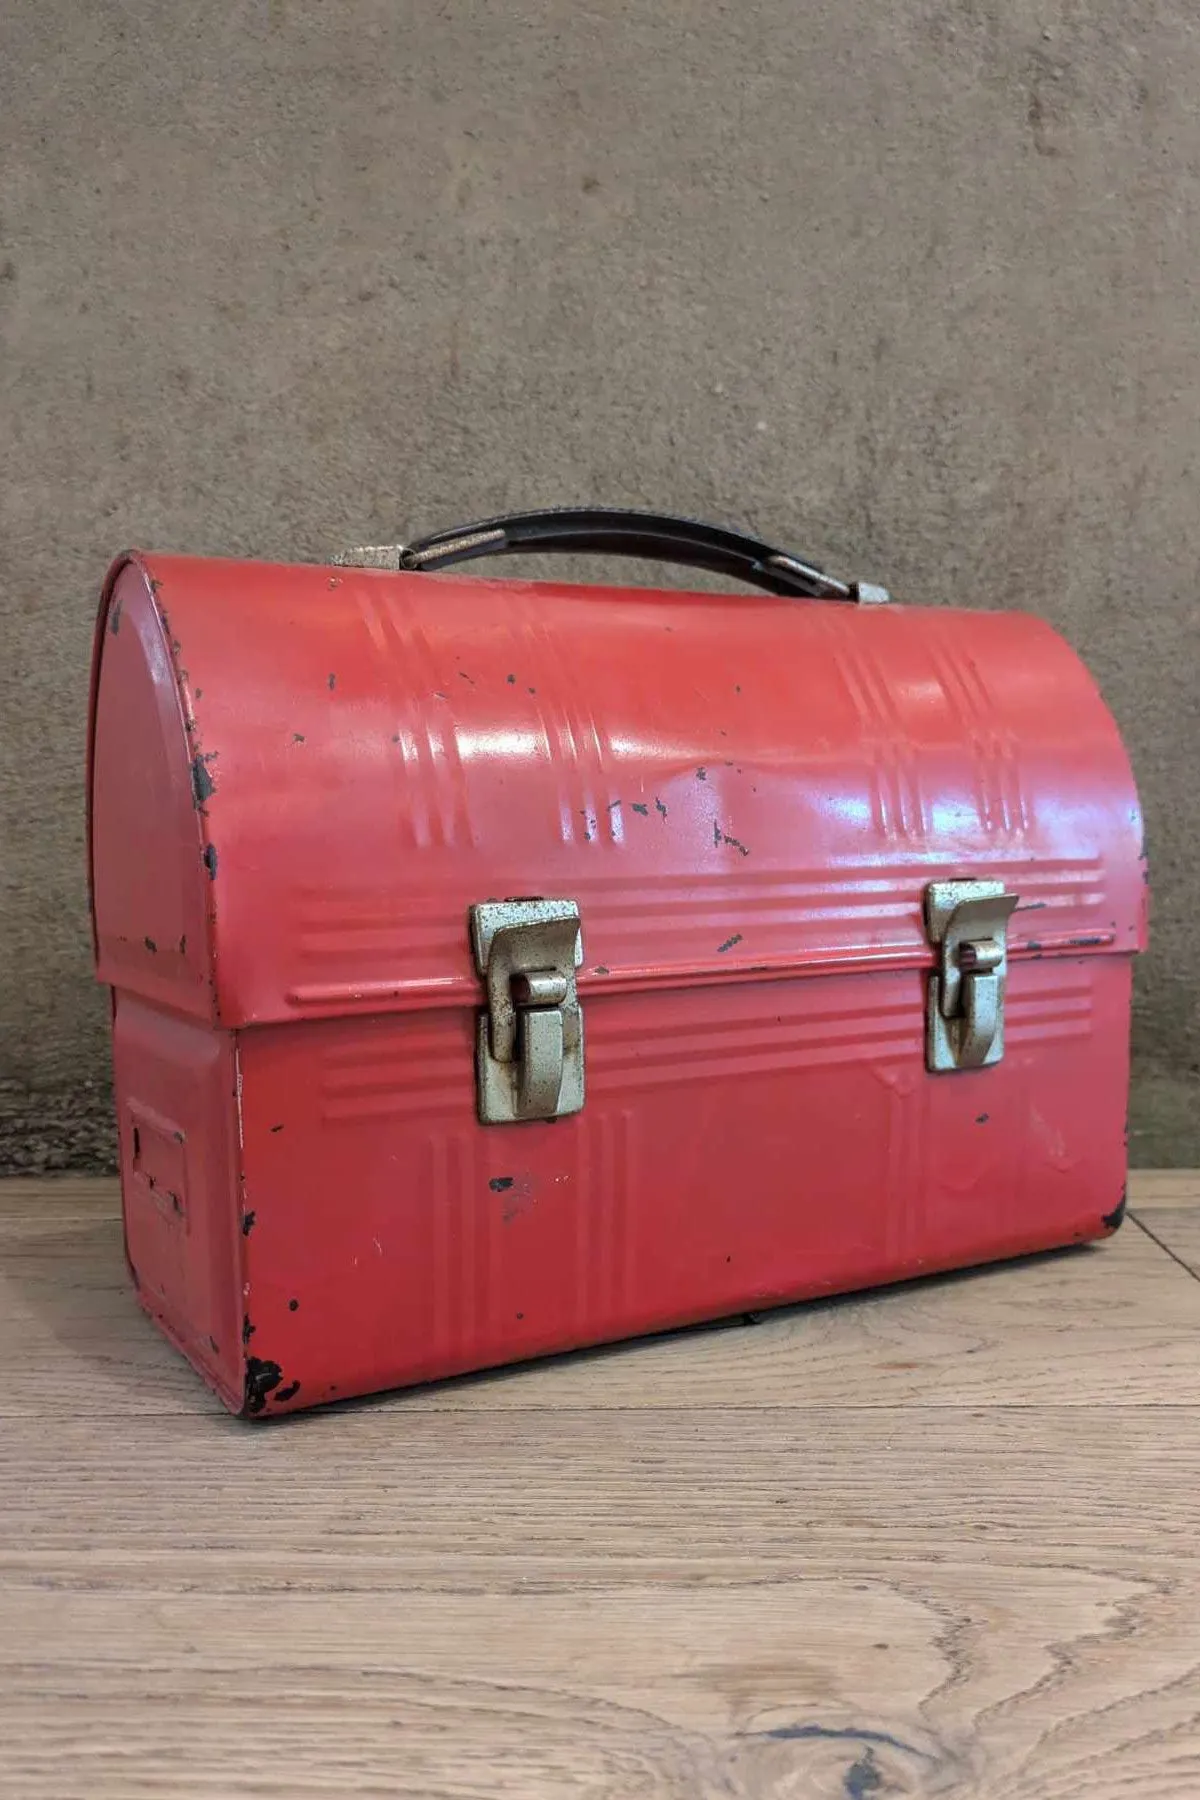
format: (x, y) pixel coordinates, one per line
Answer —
(967, 923)
(529, 1044)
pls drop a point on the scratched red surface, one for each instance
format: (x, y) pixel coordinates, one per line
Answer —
(301, 778)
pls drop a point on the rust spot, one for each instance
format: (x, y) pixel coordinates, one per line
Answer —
(729, 943)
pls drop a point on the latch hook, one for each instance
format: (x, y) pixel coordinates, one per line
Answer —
(529, 1047)
(967, 921)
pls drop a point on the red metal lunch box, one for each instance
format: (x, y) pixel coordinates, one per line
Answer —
(504, 966)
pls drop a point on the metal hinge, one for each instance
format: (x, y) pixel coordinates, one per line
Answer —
(967, 922)
(529, 1049)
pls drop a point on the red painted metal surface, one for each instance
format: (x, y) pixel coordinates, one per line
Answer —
(302, 778)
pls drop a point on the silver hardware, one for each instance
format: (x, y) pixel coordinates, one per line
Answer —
(470, 540)
(370, 556)
(529, 1044)
(967, 922)
(820, 586)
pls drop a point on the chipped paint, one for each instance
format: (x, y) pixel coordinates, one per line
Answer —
(262, 1378)
(1116, 1218)
(203, 786)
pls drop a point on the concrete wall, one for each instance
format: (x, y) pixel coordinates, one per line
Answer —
(913, 286)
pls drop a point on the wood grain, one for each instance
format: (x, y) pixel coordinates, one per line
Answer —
(940, 1541)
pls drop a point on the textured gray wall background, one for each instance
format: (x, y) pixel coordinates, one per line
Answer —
(912, 286)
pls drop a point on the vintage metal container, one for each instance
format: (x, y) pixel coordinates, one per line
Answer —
(502, 966)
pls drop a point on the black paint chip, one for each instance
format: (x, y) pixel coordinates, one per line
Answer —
(262, 1377)
(203, 786)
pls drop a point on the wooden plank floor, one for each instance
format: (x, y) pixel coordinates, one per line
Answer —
(941, 1540)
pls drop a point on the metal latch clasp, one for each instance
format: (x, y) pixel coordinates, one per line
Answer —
(529, 1047)
(967, 922)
